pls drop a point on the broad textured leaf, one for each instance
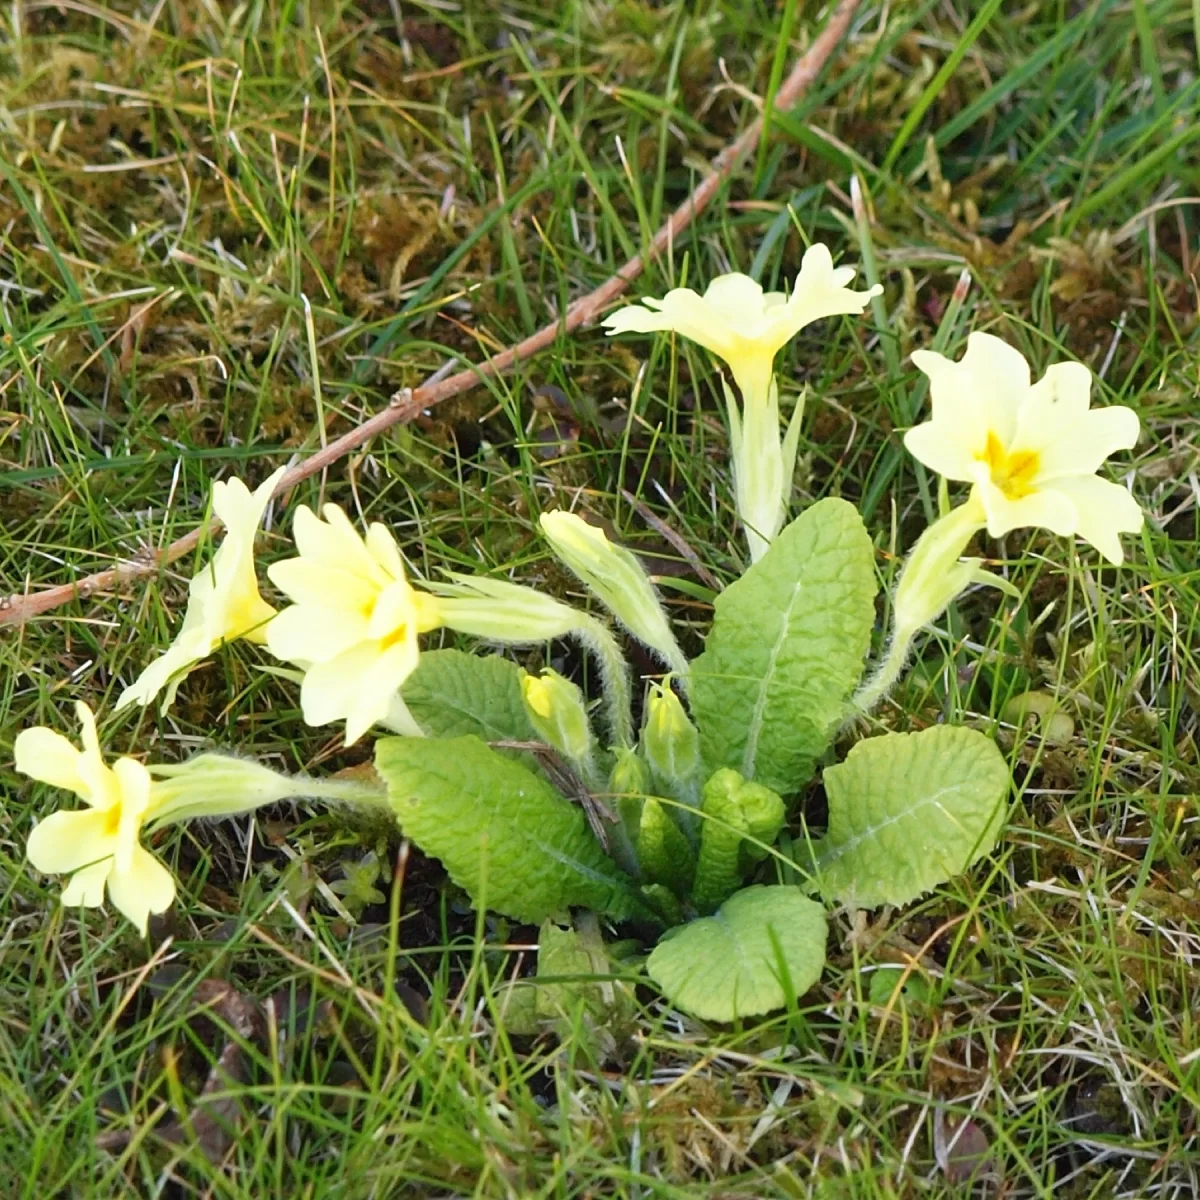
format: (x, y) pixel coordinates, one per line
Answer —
(908, 811)
(452, 694)
(786, 648)
(502, 832)
(576, 992)
(736, 962)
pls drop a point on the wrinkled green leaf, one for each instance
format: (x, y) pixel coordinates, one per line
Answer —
(735, 963)
(786, 648)
(908, 811)
(663, 851)
(452, 694)
(575, 992)
(502, 832)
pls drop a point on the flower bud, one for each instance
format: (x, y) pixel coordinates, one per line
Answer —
(934, 575)
(557, 712)
(220, 785)
(617, 579)
(629, 776)
(669, 739)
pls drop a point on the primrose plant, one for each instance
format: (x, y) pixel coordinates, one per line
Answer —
(539, 803)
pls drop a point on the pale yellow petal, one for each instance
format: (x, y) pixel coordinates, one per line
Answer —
(945, 446)
(241, 510)
(1044, 510)
(993, 375)
(317, 584)
(379, 687)
(354, 545)
(737, 300)
(1105, 510)
(143, 887)
(86, 886)
(48, 757)
(930, 362)
(356, 686)
(680, 310)
(87, 730)
(134, 781)
(333, 544)
(249, 619)
(821, 291)
(172, 666)
(1081, 446)
(395, 613)
(229, 605)
(99, 783)
(383, 549)
(66, 841)
(265, 491)
(304, 634)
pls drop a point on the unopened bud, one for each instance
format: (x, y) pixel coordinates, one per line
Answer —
(630, 775)
(617, 579)
(669, 739)
(557, 712)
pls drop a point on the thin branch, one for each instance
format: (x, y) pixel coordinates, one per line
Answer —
(406, 405)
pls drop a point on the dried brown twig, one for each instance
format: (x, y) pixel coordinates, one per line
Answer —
(411, 402)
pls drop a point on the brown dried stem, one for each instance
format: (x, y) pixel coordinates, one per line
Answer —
(409, 403)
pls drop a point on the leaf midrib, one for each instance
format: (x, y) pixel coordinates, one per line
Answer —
(754, 729)
(824, 860)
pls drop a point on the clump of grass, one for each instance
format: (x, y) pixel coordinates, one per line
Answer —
(438, 182)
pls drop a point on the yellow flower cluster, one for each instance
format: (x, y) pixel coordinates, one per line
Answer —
(1029, 451)
(352, 630)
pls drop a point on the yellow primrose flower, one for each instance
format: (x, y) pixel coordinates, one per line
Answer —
(1031, 450)
(223, 600)
(354, 620)
(741, 323)
(747, 327)
(98, 846)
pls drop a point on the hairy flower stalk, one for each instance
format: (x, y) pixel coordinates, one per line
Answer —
(746, 327)
(1030, 452)
(223, 599)
(514, 615)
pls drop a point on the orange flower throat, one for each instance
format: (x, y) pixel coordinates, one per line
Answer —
(1014, 473)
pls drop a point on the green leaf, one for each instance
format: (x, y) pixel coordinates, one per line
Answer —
(786, 648)
(452, 694)
(502, 832)
(737, 962)
(734, 812)
(909, 810)
(663, 851)
(889, 987)
(576, 992)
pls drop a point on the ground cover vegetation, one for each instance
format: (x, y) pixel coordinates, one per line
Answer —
(231, 234)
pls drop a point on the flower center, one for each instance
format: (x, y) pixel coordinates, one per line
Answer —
(112, 821)
(397, 635)
(1013, 473)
